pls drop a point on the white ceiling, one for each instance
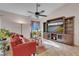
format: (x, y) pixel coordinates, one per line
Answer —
(22, 8)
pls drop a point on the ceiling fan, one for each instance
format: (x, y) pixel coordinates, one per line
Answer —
(38, 13)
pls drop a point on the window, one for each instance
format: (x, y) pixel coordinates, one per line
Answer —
(35, 28)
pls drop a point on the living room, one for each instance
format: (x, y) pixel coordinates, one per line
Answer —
(27, 19)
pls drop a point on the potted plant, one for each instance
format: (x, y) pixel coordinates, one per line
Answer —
(4, 34)
(59, 29)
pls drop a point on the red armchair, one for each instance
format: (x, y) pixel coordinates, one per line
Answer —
(22, 49)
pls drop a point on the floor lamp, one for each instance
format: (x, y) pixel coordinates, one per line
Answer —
(21, 28)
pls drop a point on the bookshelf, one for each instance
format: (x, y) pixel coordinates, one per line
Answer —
(69, 30)
(67, 36)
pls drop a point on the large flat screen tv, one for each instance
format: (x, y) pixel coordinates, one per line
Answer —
(56, 27)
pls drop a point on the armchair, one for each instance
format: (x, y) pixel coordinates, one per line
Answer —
(23, 49)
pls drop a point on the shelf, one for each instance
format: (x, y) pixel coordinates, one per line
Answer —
(68, 30)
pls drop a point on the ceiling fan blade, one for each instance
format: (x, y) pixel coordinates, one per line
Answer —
(42, 11)
(43, 15)
(31, 12)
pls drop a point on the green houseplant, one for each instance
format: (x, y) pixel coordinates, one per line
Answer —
(4, 34)
(59, 29)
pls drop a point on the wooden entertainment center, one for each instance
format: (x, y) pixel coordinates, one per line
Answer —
(60, 29)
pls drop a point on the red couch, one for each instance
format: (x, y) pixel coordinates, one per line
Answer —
(22, 49)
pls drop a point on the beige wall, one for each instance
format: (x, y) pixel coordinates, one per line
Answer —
(15, 27)
(67, 10)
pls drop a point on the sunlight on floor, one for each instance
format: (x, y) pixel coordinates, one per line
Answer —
(50, 43)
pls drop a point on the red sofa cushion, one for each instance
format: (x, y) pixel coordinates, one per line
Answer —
(16, 41)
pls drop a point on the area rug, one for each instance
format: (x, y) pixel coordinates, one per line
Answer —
(40, 49)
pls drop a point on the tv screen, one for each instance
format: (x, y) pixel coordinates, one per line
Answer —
(55, 27)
